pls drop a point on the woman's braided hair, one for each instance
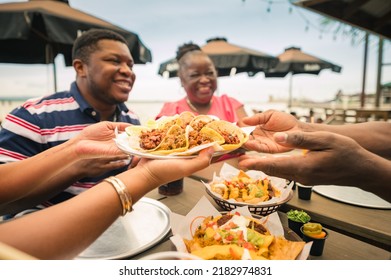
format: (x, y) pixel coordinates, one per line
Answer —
(186, 48)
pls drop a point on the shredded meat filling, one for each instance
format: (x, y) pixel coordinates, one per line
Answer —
(172, 142)
(196, 139)
(230, 138)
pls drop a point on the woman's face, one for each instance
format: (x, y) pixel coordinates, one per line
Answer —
(198, 77)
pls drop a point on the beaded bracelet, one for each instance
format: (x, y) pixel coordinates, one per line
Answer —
(124, 196)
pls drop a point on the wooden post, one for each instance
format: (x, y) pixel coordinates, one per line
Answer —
(364, 70)
(379, 70)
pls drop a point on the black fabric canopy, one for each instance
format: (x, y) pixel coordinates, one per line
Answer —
(229, 59)
(371, 15)
(293, 61)
(35, 32)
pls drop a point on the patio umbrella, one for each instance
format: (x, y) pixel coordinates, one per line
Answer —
(386, 85)
(228, 58)
(293, 61)
(36, 31)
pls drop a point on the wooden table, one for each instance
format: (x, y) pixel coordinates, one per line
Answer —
(338, 246)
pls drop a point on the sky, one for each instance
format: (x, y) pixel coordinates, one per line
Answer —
(268, 26)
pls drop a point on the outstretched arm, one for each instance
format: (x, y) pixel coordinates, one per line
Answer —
(17, 178)
(373, 136)
(66, 229)
(331, 159)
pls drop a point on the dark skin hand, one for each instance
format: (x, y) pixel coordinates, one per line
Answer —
(268, 123)
(329, 159)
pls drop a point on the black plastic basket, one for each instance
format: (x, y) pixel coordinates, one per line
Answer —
(262, 210)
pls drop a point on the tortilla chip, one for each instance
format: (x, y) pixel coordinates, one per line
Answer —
(282, 249)
(220, 252)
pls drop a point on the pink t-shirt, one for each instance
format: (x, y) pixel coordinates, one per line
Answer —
(223, 107)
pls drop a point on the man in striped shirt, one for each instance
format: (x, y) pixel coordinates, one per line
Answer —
(104, 79)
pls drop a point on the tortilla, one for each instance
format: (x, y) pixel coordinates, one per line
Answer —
(185, 119)
(157, 140)
(174, 141)
(134, 132)
(200, 121)
(204, 136)
(166, 122)
(234, 137)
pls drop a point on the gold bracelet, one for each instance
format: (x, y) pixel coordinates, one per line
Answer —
(129, 201)
(124, 196)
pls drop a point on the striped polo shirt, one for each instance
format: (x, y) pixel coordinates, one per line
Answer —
(42, 123)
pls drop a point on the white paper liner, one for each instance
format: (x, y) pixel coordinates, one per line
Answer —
(227, 172)
(180, 225)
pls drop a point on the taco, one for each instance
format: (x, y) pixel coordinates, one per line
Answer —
(199, 134)
(174, 141)
(185, 118)
(162, 141)
(232, 236)
(164, 123)
(203, 136)
(144, 138)
(233, 136)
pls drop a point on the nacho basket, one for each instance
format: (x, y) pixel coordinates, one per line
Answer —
(263, 209)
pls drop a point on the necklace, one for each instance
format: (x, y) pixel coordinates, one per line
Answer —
(193, 108)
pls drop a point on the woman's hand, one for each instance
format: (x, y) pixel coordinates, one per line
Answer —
(158, 172)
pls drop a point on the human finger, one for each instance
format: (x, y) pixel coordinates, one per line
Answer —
(162, 171)
(134, 160)
(284, 166)
(256, 119)
(306, 140)
(203, 160)
(121, 126)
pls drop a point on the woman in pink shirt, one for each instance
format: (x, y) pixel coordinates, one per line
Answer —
(198, 77)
